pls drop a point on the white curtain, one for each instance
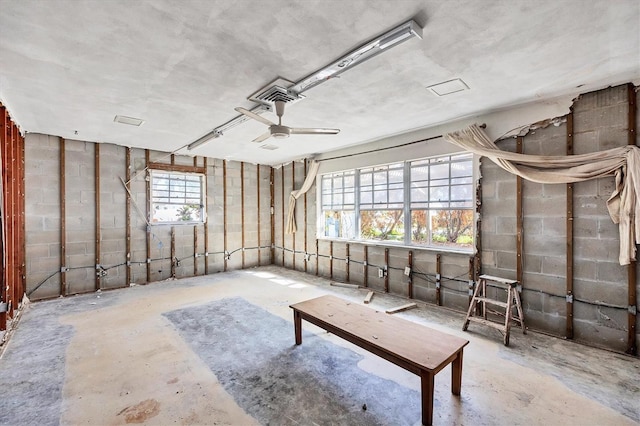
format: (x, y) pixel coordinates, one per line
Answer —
(623, 163)
(308, 183)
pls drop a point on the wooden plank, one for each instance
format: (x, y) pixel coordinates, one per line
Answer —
(569, 232)
(365, 267)
(148, 204)
(63, 219)
(500, 280)
(347, 262)
(317, 257)
(98, 234)
(206, 223)
(173, 252)
(368, 298)
(272, 211)
(127, 171)
(22, 282)
(293, 236)
(305, 218)
(345, 285)
(224, 211)
(282, 211)
(331, 259)
(242, 210)
(519, 218)
(258, 224)
(632, 268)
(176, 168)
(195, 250)
(410, 286)
(438, 279)
(401, 308)
(386, 270)
(3, 218)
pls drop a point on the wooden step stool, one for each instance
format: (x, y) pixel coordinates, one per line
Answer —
(513, 301)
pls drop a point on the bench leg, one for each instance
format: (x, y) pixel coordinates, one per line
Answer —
(297, 324)
(456, 374)
(426, 379)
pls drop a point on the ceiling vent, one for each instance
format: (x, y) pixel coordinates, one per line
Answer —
(276, 91)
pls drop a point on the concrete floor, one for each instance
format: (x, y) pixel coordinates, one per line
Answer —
(115, 358)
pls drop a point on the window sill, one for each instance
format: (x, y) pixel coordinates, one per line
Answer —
(389, 244)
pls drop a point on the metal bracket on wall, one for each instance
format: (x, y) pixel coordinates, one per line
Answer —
(471, 283)
(569, 298)
(633, 310)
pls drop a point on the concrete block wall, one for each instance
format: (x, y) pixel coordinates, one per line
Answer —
(43, 227)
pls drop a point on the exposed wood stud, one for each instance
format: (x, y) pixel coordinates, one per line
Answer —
(331, 259)
(242, 211)
(23, 243)
(3, 265)
(224, 211)
(195, 250)
(569, 231)
(173, 252)
(632, 268)
(410, 280)
(347, 262)
(173, 159)
(63, 221)
(282, 211)
(147, 162)
(98, 234)
(519, 219)
(272, 212)
(306, 225)
(127, 172)
(317, 257)
(258, 225)
(471, 275)
(438, 279)
(206, 223)
(293, 235)
(176, 168)
(386, 270)
(365, 267)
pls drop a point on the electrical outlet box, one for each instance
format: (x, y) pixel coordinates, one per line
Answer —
(380, 273)
(407, 271)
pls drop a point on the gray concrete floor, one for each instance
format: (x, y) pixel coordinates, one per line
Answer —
(114, 358)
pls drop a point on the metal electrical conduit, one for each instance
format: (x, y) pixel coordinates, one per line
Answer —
(102, 270)
(426, 277)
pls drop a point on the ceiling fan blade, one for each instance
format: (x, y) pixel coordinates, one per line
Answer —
(262, 137)
(254, 116)
(313, 131)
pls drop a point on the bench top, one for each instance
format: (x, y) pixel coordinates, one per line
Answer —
(414, 343)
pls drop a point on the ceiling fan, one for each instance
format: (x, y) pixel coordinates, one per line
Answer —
(278, 130)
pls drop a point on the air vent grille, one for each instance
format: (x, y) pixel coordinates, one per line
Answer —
(275, 91)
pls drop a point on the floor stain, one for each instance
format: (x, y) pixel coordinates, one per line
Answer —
(141, 412)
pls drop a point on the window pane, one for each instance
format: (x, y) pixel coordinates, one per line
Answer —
(439, 193)
(420, 227)
(339, 224)
(176, 197)
(382, 225)
(452, 228)
(440, 171)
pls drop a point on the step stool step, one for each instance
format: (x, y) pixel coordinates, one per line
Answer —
(491, 301)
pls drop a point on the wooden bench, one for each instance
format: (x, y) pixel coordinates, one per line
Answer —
(414, 347)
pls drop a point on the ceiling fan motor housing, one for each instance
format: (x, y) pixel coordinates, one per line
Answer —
(278, 131)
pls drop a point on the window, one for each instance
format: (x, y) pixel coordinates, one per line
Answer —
(177, 197)
(427, 202)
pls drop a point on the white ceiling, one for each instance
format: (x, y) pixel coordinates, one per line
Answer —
(182, 66)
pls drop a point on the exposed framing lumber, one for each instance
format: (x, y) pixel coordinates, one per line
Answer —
(331, 259)
(471, 278)
(98, 234)
(438, 279)
(224, 211)
(195, 250)
(282, 211)
(368, 298)
(365, 267)
(386, 270)
(63, 220)
(176, 167)
(293, 235)
(148, 212)
(23, 242)
(258, 224)
(347, 262)
(242, 210)
(127, 172)
(317, 257)
(632, 267)
(345, 285)
(306, 225)
(401, 308)
(206, 222)
(410, 279)
(4, 283)
(519, 218)
(272, 212)
(569, 231)
(173, 252)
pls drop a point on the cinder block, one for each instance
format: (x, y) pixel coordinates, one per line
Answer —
(505, 225)
(556, 266)
(506, 260)
(545, 283)
(588, 249)
(555, 226)
(585, 227)
(611, 272)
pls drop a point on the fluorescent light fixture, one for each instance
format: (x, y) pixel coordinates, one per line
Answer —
(366, 51)
(219, 131)
(128, 120)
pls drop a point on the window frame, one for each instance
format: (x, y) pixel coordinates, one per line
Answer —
(408, 206)
(152, 200)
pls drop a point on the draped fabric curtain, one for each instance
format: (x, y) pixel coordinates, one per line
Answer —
(623, 163)
(308, 183)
